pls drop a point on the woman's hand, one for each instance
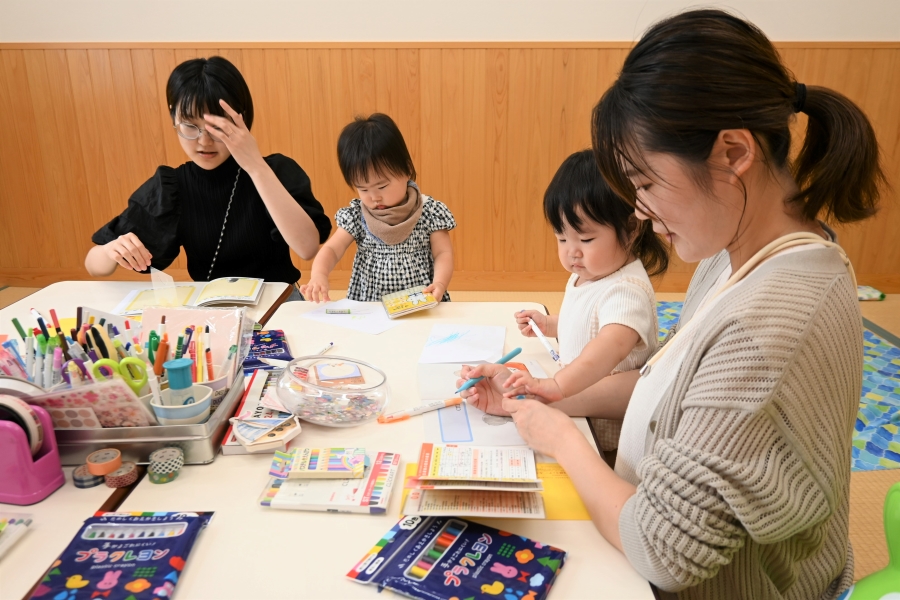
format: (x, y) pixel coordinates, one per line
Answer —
(487, 394)
(436, 289)
(316, 290)
(521, 382)
(237, 138)
(545, 429)
(129, 252)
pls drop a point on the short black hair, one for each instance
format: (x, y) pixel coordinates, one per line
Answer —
(373, 143)
(196, 86)
(578, 192)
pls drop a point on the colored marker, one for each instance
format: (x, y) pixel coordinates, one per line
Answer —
(18, 327)
(544, 340)
(402, 415)
(512, 354)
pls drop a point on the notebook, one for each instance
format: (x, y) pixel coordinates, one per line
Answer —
(440, 558)
(498, 482)
(407, 301)
(370, 495)
(225, 291)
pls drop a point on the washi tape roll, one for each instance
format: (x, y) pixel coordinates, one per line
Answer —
(161, 477)
(166, 460)
(19, 412)
(85, 479)
(123, 476)
(104, 462)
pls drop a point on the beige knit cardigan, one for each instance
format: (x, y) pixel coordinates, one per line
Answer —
(746, 491)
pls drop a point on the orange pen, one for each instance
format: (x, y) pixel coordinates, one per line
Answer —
(209, 369)
(405, 414)
(161, 356)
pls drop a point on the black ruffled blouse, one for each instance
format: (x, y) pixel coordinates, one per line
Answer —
(186, 206)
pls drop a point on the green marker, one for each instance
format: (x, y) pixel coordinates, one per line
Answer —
(19, 328)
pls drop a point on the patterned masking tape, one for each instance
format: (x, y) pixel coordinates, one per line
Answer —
(124, 475)
(27, 419)
(166, 460)
(104, 462)
(161, 477)
(84, 479)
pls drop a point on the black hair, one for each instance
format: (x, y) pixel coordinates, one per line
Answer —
(196, 86)
(702, 71)
(373, 143)
(578, 191)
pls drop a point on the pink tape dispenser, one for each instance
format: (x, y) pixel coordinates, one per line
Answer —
(29, 458)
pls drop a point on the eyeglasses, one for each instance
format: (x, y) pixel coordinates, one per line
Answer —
(192, 132)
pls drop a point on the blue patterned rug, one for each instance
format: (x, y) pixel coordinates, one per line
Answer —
(876, 440)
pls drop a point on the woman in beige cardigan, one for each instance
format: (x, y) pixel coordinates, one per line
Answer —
(734, 460)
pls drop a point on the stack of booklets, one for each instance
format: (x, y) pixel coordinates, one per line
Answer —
(331, 480)
(481, 481)
(407, 301)
(441, 558)
(254, 412)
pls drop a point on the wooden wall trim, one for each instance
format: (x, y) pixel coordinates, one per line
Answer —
(423, 44)
(486, 124)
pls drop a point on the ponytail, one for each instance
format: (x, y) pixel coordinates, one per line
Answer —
(837, 169)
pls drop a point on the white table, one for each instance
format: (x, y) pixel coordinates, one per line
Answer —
(251, 552)
(56, 521)
(66, 296)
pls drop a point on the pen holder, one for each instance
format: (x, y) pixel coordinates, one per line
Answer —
(25, 479)
(219, 387)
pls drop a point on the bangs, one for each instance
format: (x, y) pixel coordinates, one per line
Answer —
(616, 143)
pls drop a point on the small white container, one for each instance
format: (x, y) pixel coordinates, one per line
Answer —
(189, 414)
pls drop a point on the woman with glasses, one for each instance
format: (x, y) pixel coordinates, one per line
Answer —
(235, 212)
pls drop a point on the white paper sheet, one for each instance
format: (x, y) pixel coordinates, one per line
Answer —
(464, 424)
(367, 317)
(466, 344)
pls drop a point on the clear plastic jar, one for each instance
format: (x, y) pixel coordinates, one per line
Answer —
(334, 391)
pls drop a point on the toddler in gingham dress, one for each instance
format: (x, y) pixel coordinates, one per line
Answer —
(402, 236)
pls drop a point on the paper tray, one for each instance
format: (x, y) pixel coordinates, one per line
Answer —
(200, 443)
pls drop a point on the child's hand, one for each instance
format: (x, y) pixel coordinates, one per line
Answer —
(540, 320)
(436, 289)
(316, 290)
(520, 383)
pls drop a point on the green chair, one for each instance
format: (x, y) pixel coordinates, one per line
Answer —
(883, 584)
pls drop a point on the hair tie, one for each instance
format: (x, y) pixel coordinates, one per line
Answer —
(799, 97)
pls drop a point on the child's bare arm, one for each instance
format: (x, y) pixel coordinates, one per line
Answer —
(442, 251)
(329, 255)
(600, 356)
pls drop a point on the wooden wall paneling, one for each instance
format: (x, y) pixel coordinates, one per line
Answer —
(12, 189)
(487, 126)
(453, 160)
(474, 199)
(73, 199)
(31, 192)
(55, 211)
(497, 110)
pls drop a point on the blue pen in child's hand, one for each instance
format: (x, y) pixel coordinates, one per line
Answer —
(513, 353)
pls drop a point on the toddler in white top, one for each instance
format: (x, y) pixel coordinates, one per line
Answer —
(608, 320)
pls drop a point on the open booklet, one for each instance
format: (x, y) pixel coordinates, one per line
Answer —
(226, 291)
(498, 481)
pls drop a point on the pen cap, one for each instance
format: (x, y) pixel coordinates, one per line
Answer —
(179, 371)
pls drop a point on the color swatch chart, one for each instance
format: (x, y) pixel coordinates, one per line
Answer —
(114, 531)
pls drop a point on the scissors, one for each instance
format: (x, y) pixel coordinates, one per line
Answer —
(124, 369)
(78, 363)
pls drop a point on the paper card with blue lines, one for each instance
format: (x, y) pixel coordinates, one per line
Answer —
(464, 424)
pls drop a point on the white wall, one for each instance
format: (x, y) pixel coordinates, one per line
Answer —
(420, 20)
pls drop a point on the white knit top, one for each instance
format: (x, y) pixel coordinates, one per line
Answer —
(625, 297)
